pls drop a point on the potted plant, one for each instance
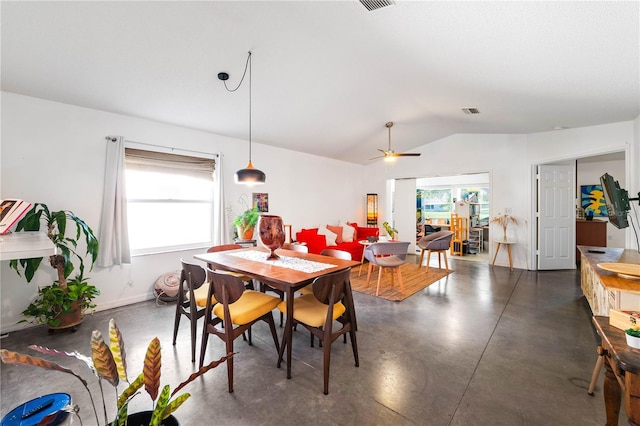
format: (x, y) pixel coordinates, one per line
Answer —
(391, 231)
(246, 222)
(633, 337)
(108, 362)
(65, 297)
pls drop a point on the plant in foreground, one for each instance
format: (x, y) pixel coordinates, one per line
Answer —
(108, 362)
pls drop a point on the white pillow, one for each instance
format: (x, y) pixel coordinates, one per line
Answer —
(348, 232)
(330, 236)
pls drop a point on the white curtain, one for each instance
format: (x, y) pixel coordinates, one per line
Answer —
(114, 239)
(220, 229)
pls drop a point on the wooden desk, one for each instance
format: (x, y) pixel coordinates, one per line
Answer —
(605, 289)
(622, 373)
(284, 279)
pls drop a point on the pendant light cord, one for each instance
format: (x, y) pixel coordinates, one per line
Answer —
(247, 65)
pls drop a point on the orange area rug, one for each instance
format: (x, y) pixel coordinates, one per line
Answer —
(414, 279)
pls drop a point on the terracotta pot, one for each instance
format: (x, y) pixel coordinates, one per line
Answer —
(271, 231)
(142, 419)
(70, 319)
(246, 236)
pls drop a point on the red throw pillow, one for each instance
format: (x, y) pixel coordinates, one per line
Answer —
(363, 233)
(338, 231)
(311, 231)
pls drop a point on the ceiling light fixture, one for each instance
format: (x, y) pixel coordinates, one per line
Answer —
(249, 175)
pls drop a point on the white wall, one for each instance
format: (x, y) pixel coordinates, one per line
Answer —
(55, 153)
(502, 156)
(510, 159)
(583, 142)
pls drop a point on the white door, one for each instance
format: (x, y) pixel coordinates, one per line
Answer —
(556, 217)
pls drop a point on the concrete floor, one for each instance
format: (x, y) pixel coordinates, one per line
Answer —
(484, 346)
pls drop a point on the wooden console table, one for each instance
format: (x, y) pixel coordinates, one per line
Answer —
(622, 374)
(604, 289)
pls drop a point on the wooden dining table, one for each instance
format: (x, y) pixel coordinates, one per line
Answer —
(281, 278)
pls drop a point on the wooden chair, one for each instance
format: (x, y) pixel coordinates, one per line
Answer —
(239, 309)
(224, 247)
(390, 255)
(192, 300)
(340, 254)
(438, 242)
(318, 311)
(300, 248)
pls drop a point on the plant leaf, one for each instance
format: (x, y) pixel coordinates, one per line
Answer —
(174, 405)
(116, 344)
(151, 370)
(163, 400)
(203, 370)
(130, 391)
(75, 354)
(9, 357)
(103, 359)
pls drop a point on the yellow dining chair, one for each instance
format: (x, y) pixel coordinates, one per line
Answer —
(192, 300)
(239, 309)
(317, 312)
(224, 247)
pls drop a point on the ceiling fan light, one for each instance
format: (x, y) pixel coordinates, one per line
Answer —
(250, 176)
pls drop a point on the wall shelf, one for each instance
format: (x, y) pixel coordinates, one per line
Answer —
(25, 245)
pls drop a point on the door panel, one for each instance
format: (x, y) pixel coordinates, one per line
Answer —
(556, 217)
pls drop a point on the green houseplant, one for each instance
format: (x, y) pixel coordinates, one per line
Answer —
(108, 363)
(246, 222)
(391, 231)
(60, 304)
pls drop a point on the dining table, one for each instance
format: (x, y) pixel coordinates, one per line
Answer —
(291, 272)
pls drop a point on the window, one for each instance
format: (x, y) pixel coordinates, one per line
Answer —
(169, 200)
(437, 203)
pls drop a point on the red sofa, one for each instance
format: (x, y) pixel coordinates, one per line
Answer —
(317, 242)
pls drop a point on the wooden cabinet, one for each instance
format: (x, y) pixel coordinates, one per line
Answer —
(590, 233)
(605, 290)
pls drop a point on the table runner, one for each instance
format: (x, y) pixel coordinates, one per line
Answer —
(302, 265)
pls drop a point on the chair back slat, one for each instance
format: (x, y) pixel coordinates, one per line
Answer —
(224, 247)
(300, 248)
(339, 254)
(232, 285)
(194, 275)
(331, 288)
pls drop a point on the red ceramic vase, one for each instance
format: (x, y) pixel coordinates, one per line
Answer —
(271, 232)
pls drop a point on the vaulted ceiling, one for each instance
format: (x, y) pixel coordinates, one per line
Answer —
(328, 75)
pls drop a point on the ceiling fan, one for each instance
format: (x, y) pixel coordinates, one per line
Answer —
(390, 154)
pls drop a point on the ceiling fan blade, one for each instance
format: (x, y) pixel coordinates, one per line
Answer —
(375, 158)
(407, 154)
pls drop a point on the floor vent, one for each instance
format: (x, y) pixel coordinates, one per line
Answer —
(470, 110)
(376, 4)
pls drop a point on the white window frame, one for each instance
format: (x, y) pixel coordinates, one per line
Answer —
(174, 247)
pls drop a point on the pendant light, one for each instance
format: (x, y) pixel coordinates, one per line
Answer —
(249, 175)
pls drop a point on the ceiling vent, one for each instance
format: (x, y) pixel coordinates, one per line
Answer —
(470, 110)
(376, 4)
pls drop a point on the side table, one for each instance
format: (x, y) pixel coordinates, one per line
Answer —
(366, 244)
(508, 244)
